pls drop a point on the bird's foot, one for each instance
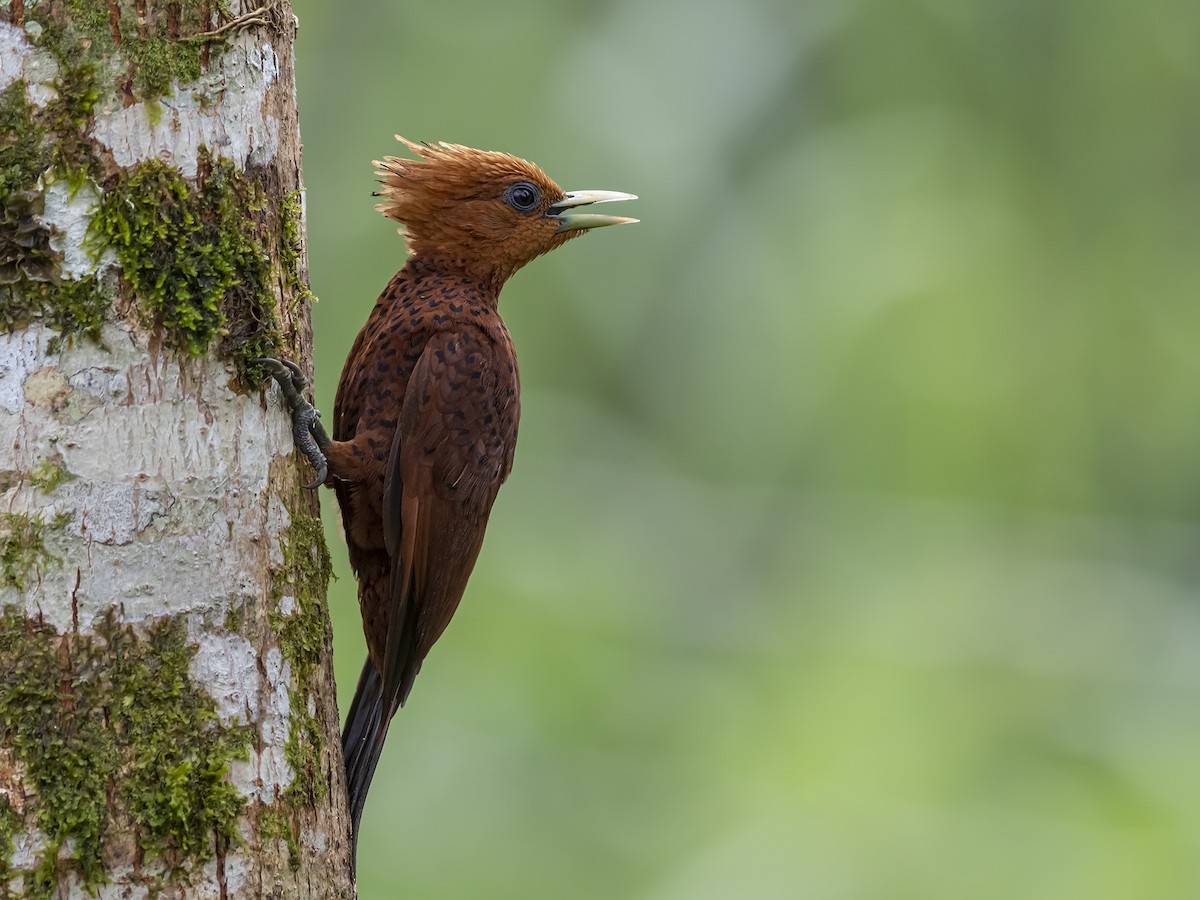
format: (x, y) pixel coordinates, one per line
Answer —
(307, 430)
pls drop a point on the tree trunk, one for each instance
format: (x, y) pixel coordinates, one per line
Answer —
(167, 717)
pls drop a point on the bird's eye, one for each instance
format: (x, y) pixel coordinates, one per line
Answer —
(522, 196)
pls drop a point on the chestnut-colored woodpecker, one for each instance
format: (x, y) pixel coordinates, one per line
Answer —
(425, 420)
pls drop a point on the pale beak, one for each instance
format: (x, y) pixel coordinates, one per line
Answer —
(579, 221)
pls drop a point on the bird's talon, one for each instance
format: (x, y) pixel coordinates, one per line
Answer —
(296, 370)
(281, 370)
(307, 432)
(272, 365)
(322, 474)
(299, 379)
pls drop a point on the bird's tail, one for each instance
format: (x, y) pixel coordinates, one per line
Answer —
(362, 742)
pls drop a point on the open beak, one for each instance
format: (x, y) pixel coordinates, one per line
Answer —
(580, 221)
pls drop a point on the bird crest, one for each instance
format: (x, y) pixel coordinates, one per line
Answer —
(445, 174)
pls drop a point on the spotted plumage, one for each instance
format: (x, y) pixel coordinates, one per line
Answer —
(425, 420)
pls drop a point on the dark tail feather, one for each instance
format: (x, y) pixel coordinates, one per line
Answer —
(367, 723)
(362, 742)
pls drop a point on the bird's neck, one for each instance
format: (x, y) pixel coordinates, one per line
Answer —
(486, 278)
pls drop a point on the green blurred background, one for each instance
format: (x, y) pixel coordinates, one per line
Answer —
(853, 546)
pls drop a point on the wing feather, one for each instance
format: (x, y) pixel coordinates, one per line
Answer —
(443, 474)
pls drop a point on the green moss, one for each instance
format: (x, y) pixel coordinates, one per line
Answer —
(23, 552)
(158, 46)
(158, 43)
(233, 618)
(22, 156)
(78, 28)
(110, 726)
(302, 638)
(306, 571)
(30, 282)
(41, 883)
(291, 216)
(46, 719)
(10, 822)
(302, 750)
(174, 782)
(48, 475)
(154, 113)
(191, 253)
(193, 257)
(68, 118)
(167, 254)
(275, 824)
(73, 308)
(159, 62)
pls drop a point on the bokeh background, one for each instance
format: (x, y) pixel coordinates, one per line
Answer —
(853, 546)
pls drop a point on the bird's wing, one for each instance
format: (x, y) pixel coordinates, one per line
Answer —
(452, 450)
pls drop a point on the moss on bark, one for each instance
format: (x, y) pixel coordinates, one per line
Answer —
(108, 726)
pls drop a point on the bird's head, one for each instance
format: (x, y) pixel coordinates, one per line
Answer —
(485, 212)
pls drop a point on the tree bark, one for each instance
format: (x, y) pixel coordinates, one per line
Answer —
(167, 714)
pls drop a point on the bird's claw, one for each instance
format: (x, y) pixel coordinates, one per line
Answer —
(307, 430)
(281, 369)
